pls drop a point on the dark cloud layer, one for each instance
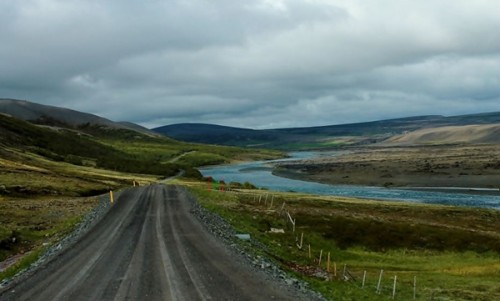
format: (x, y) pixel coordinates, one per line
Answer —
(260, 64)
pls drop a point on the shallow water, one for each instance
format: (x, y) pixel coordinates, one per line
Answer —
(259, 174)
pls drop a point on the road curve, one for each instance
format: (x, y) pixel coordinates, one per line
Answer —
(147, 247)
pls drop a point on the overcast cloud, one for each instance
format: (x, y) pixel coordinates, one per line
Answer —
(253, 63)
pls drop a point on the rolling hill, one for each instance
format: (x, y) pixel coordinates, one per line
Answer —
(68, 157)
(321, 136)
(217, 134)
(62, 117)
(71, 147)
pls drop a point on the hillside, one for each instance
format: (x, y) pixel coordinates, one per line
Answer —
(61, 117)
(319, 137)
(35, 147)
(476, 134)
(42, 160)
(49, 173)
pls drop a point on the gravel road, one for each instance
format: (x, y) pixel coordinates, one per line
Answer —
(149, 246)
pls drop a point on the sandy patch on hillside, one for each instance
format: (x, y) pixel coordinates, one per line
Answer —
(473, 134)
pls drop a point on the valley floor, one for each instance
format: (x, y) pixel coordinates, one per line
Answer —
(475, 166)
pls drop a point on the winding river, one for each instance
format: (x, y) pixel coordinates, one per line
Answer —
(260, 174)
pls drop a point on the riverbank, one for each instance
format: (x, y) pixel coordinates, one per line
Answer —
(464, 169)
(297, 175)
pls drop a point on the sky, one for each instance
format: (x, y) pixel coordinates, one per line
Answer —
(253, 63)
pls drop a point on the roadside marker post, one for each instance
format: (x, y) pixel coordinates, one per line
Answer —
(364, 280)
(309, 247)
(209, 182)
(320, 255)
(111, 199)
(222, 184)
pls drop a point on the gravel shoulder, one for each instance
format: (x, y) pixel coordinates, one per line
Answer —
(153, 244)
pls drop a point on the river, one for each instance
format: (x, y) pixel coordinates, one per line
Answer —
(260, 174)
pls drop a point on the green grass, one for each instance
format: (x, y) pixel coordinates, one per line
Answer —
(116, 149)
(23, 263)
(164, 150)
(29, 226)
(203, 159)
(40, 161)
(45, 172)
(453, 252)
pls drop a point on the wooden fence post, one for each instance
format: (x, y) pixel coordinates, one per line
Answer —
(328, 263)
(380, 281)
(301, 241)
(414, 287)
(292, 221)
(394, 287)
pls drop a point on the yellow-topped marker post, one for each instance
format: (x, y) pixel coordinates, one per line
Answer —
(111, 199)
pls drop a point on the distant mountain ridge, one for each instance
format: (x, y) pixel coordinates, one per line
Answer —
(57, 116)
(217, 134)
(424, 129)
(319, 136)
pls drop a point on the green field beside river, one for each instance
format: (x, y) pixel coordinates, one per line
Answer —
(453, 253)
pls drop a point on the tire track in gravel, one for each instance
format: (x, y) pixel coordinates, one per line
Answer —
(147, 247)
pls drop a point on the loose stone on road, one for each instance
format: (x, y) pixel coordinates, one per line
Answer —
(148, 247)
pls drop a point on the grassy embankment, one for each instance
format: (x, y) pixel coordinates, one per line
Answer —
(48, 177)
(453, 252)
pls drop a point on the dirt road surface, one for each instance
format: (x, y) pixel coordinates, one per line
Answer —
(147, 247)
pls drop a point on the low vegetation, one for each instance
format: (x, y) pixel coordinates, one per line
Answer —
(48, 173)
(454, 253)
(396, 166)
(37, 160)
(29, 226)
